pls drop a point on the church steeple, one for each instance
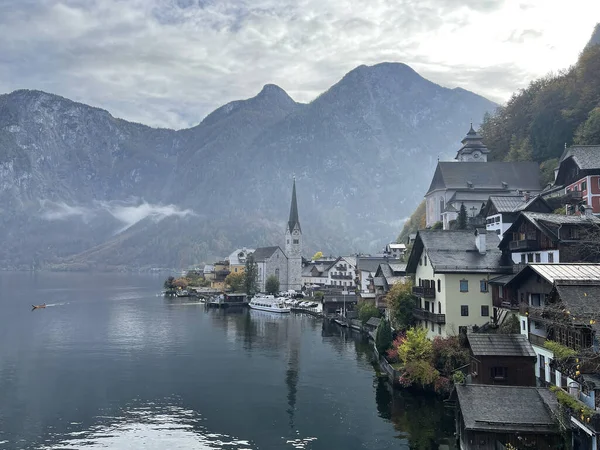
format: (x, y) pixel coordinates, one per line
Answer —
(473, 149)
(293, 220)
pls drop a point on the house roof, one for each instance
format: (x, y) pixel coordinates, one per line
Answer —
(398, 268)
(483, 344)
(486, 175)
(507, 408)
(573, 272)
(264, 253)
(514, 203)
(455, 252)
(234, 258)
(581, 300)
(379, 281)
(371, 263)
(398, 246)
(374, 321)
(502, 279)
(469, 196)
(585, 156)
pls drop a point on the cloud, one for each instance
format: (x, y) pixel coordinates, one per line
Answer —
(126, 212)
(171, 62)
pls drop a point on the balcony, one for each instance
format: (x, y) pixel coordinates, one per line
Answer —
(423, 314)
(525, 244)
(534, 339)
(341, 277)
(573, 197)
(423, 292)
(341, 267)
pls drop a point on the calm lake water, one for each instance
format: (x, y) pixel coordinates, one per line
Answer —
(109, 364)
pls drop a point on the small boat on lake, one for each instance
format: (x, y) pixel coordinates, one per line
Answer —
(269, 303)
(43, 305)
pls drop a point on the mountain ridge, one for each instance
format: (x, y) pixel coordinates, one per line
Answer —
(184, 195)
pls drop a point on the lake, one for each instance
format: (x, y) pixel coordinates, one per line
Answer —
(110, 364)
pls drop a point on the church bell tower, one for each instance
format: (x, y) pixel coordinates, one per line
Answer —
(293, 245)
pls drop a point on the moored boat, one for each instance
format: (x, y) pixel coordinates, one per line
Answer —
(269, 303)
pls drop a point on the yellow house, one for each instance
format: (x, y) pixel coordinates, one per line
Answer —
(237, 259)
(221, 270)
(451, 272)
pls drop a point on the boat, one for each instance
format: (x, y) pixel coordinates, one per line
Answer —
(269, 303)
(43, 305)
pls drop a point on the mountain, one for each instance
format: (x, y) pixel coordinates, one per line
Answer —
(595, 39)
(80, 189)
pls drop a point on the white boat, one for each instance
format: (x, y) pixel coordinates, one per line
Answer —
(269, 303)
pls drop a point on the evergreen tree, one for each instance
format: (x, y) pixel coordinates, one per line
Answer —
(272, 285)
(462, 217)
(251, 278)
(383, 337)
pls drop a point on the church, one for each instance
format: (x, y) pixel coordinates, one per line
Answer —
(285, 265)
(471, 180)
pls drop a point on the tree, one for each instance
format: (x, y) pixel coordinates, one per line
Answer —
(272, 285)
(366, 310)
(317, 255)
(168, 284)
(416, 346)
(401, 303)
(588, 133)
(383, 337)
(510, 325)
(251, 276)
(437, 226)
(235, 281)
(462, 217)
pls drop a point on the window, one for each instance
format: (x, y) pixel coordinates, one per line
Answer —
(498, 232)
(235, 270)
(499, 373)
(464, 285)
(529, 257)
(420, 261)
(439, 285)
(550, 257)
(522, 258)
(439, 308)
(538, 257)
(288, 241)
(523, 325)
(439, 329)
(432, 327)
(584, 186)
(464, 310)
(427, 305)
(296, 241)
(485, 311)
(483, 286)
(425, 260)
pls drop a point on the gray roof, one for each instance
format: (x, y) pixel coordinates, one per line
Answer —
(469, 196)
(507, 408)
(371, 263)
(560, 219)
(264, 253)
(486, 175)
(455, 252)
(567, 271)
(483, 344)
(585, 156)
(379, 281)
(374, 321)
(398, 267)
(502, 279)
(581, 300)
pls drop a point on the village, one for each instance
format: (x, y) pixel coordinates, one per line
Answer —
(506, 271)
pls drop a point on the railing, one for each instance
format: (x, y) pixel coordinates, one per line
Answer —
(573, 196)
(341, 268)
(524, 244)
(534, 339)
(423, 314)
(341, 277)
(423, 292)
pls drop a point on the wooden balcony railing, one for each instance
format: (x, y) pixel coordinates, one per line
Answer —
(423, 292)
(537, 340)
(423, 314)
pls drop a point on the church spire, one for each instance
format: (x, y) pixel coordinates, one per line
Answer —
(293, 221)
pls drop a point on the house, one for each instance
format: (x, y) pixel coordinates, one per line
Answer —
(506, 359)
(579, 173)
(386, 275)
(237, 259)
(366, 267)
(394, 250)
(316, 273)
(271, 261)
(221, 270)
(452, 270)
(339, 302)
(209, 272)
(472, 180)
(501, 211)
(491, 417)
(340, 274)
(550, 238)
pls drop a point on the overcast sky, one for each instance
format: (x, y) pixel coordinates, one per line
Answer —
(170, 62)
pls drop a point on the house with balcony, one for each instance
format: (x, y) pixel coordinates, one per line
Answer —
(490, 417)
(386, 275)
(341, 273)
(550, 238)
(504, 359)
(451, 272)
(501, 211)
(316, 273)
(579, 175)
(220, 272)
(366, 268)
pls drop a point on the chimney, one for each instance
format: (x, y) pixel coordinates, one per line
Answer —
(480, 240)
(526, 196)
(588, 211)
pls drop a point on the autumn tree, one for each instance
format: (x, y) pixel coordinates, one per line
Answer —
(272, 285)
(366, 310)
(401, 303)
(317, 256)
(416, 354)
(235, 281)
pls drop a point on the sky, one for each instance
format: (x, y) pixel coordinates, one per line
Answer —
(169, 63)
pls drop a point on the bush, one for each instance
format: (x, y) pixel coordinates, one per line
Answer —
(366, 310)
(383, 337)
(272, 285)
